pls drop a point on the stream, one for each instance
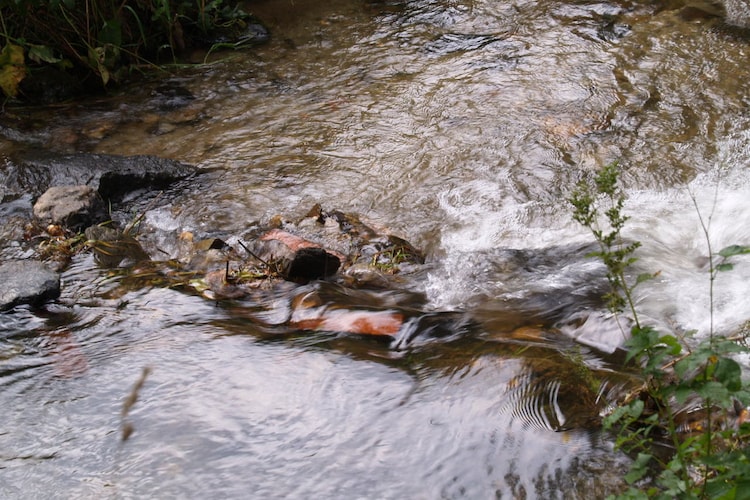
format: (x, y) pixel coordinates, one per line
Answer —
(462, 126)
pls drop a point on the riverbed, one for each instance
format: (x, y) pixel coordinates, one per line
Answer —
(462, 126)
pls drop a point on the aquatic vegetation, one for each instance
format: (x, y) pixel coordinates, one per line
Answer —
(687, 427)
(56, 243)
(388, 260)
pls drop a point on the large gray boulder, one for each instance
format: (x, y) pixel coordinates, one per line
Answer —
(112, 176)
(27, 282)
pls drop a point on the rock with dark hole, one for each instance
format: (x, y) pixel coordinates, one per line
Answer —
(311, 263)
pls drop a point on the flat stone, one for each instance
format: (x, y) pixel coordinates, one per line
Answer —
(27, 282)
(72, 206)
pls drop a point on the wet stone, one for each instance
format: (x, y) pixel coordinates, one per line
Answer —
(72, 206)
(113, 247)
(296, 258)
(171, 96)
(27, 282)
(33, 172)
(254, 33)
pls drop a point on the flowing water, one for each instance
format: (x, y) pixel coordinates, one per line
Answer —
(461, 125)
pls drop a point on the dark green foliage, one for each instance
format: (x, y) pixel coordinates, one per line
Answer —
(108, 38)
(693, 400)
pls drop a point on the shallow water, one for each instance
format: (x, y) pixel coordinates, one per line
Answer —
(462, 126)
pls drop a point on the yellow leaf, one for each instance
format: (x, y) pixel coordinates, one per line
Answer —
(10, 77)
(11, 54)
(12, 69)
(16, 54)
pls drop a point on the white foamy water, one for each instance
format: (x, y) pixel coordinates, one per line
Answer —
(676, 246)
(477, 268)
(738, 12)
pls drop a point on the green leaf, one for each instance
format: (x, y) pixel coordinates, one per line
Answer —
(641, 340)
(732, 250)
(673, 344)
(638, 468)
(743, 490)
(97, 57)
(695, 361)
(11, 55)
(725, 267)
(624, 414)
(644, 277)
(714, 391)
(721, 489)
(138, 22)
(55, 4)
(42, 53)
(729, 373)
(682, 393)
(111, 33)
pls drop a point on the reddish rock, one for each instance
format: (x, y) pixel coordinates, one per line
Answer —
(296, 258)
(378, 323)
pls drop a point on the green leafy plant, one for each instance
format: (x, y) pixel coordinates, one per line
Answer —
(686, 427)
(106, 38)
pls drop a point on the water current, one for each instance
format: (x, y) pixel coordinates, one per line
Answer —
(461, 125)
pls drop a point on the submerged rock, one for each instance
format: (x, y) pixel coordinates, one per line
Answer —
(353, 241)
(238, 35)
(113, 247)
(170, 96)
(333, 308)
(27, 282)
